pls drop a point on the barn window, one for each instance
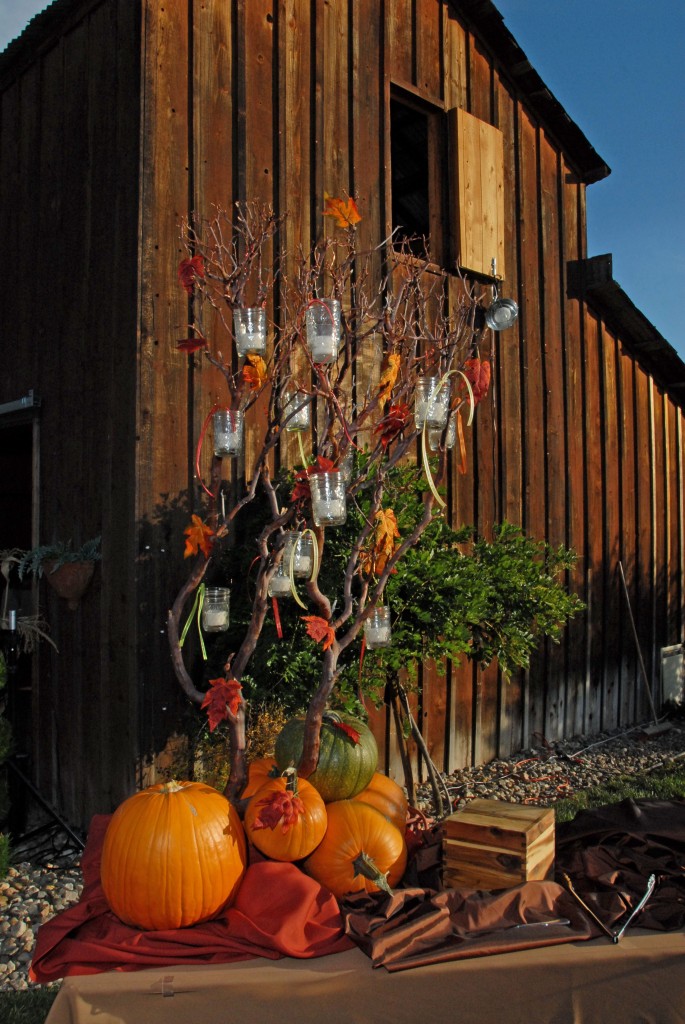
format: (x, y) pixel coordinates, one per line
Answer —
(476, 159)
(417, 160)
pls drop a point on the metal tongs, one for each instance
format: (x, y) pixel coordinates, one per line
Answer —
(617, 935)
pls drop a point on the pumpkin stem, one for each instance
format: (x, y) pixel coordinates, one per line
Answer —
(364, 865)
(290, 775)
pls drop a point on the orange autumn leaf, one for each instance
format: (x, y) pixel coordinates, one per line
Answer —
(386, 532)
(319, 630)
(198, 538)
(344, 210)
(391, 368)
(188, 270)
(254, 372)
(222, 700)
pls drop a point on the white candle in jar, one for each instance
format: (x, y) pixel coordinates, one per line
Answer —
(214, 618)
(302, 564)
(377, 636)
(279, 585)
(329, 510)
(324, 347)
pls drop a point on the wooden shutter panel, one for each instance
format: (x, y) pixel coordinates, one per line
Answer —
(477, 193)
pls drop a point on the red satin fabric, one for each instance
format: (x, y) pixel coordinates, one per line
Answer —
(279, 911)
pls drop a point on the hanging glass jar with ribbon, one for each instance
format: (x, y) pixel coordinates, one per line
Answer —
(299, 553)
(249, 330)
(377, 629)
(432, 403)
(322, 319)
(280, 583)
(295, 410)
(228, 433)
(215, 609)
(329, 503)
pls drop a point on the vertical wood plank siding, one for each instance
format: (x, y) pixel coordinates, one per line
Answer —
(138, 113)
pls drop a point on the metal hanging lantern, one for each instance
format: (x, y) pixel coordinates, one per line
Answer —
(501, 313)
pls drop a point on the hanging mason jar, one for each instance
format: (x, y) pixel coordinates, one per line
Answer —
(322, 320)
(299, 552)
(279, 584)
(432, 403)
(296, 410)
(377, 631)
(215, 609)
(329, 505)
(435, 436)
(249, 328)
(228, 433)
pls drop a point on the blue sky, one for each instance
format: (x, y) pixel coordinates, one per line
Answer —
(617, 67)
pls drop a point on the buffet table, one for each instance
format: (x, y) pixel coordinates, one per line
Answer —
(593, 982)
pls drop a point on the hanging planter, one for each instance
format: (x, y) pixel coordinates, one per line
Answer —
(323, 329)
(249, 329)
(68, 571)
(69, 580)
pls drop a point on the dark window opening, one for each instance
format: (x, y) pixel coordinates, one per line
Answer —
(416, 162)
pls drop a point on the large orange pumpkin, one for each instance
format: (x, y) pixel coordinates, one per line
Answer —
(173, 855)
(387, 797)
(286, 818)
(361, 851)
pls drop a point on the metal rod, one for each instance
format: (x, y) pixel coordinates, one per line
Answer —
(637, 643)
(43, 802)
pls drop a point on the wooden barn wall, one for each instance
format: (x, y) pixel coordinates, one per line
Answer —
(69, 171)
(282, 99)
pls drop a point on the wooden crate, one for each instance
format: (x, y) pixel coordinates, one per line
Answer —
(495, 845)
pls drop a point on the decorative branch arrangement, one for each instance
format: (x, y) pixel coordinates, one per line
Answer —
(366, 370)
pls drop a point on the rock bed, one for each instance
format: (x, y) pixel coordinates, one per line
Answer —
(32, 893)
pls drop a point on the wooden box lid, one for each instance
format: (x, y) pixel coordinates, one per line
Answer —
(506, 826)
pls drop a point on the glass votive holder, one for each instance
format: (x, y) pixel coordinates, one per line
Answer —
(432, 403)
(435, 436)
(228, 432)
(377, 630)
(322, 319)
(249, 328)
(296, 410)
(215, 609)
(299, 552)
(329, 505)
(279, 584)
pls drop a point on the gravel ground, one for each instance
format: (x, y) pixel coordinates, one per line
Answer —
(33, 892)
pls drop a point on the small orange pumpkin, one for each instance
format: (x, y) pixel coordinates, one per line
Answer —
(387, 797)
(286, 818)
(173, 855)
(258, 772)
(361, 851)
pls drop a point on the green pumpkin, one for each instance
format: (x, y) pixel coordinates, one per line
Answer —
(344, 768)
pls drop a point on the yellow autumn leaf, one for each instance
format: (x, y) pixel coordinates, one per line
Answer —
(389, 371)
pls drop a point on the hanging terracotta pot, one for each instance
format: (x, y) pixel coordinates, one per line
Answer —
(70, 580)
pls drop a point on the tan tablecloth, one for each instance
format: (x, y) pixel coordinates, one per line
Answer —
(642, 979)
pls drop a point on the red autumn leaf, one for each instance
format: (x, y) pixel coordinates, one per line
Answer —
(188, 269)
(190, 345)
(345, 211)
(301, 491)
(319, 630)
(349, 731)
(276, 808)
(199, 537)
(393, 423)
(477, 372)
(221, 700)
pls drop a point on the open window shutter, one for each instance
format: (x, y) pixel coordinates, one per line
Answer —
(477, 193)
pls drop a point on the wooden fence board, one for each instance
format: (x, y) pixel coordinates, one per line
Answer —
(612, 522)
(628, 540)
